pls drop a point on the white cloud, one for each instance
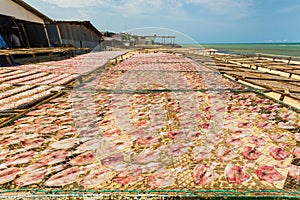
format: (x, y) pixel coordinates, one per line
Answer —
(80, 3)
(137, 7)
(237, 8)
(130, 4)
(176, 7)
(123, 7)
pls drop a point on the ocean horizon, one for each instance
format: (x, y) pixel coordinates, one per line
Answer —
(284, 49)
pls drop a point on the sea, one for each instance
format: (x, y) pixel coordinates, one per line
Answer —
(284, 49)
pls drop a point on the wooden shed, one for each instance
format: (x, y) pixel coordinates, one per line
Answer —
(80, 34)
(25, 22)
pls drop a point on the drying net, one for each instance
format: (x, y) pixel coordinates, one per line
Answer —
(149, 124)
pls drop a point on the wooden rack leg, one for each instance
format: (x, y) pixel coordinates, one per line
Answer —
(282, 97)
(9, 59)
(35, 58)
(51, 56)
(286, 92)
(69, 54)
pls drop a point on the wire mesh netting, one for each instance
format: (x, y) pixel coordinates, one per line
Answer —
(155, 125)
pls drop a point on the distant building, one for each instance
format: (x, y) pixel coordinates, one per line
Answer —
(141, 40)
(119, 40)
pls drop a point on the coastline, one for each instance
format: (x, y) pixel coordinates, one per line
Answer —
(283, 49)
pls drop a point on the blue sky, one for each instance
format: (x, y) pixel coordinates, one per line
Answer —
(206, 21)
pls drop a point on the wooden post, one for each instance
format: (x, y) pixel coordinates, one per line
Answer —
(9, 59)
(19, 32)
(59, 35)
(35, 58)
(281, 97)
(26, 36)
(68, 53)
(51, 56)
(286, 92)
(47, 36)
(289, 60)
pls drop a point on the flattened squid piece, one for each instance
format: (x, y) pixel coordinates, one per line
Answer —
(251, 153)
(200, 153)
(129, 176)
(269, 174)
(31, 177)
(294, 172)
(236, 174)
(226, 154)
(8, 175)
(296, 152)
(96, 177)
(65, 177)
(162, 178)
(204, 174)
(84, 159)
(278, 153)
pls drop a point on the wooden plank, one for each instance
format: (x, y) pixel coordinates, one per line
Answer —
(39, 50)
